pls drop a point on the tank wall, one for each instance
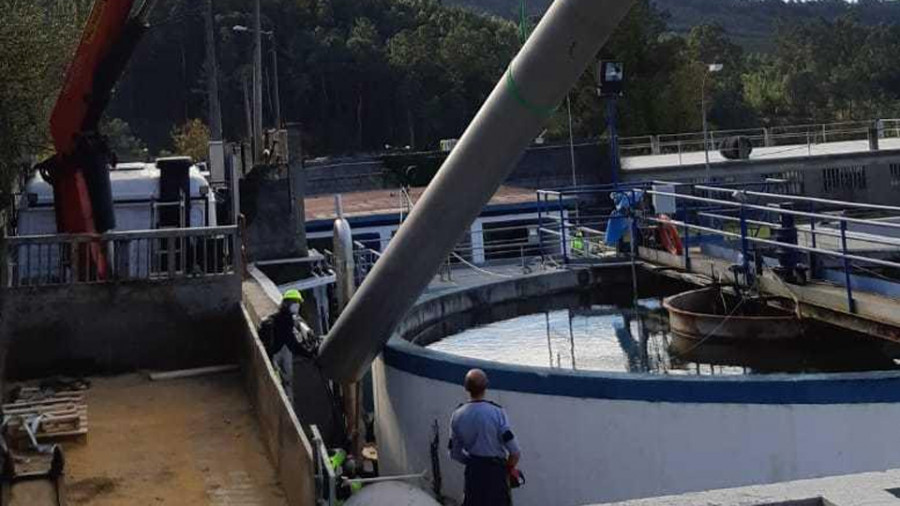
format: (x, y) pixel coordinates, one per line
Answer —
(110, 328)
(582, 450)
(599, 437)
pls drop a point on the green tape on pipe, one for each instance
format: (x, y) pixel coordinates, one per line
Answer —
(538, 110)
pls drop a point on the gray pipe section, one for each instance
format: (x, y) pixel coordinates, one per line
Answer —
(555, 56)
(344, 265)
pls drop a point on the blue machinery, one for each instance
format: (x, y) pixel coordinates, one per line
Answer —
(800, 238)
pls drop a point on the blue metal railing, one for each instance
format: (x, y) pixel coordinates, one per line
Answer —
(759, 228)
(760, 137)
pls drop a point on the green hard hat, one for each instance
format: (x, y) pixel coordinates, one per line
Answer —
(293, 295)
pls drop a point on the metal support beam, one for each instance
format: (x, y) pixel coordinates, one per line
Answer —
(257, 85)
(557, 53)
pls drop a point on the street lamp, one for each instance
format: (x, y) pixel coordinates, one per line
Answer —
(711, 69)
(271, 35)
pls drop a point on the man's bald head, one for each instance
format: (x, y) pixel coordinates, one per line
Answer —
(476, 383)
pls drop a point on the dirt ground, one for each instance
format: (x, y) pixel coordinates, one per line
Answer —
(176, 442)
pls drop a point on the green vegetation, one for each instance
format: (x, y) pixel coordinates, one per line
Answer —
(192, 139)
(122, 141)
(750, 23)
(36, 39)
(358, 74)
(363, 74)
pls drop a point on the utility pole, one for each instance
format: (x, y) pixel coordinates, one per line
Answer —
(275, 79)
(612, 122)
(212, 70)
(276, 101)
(247, 113)
(257, 84)
(571, 141)
(710, 69)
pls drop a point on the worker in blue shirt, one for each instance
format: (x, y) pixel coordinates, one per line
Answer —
(482, 440)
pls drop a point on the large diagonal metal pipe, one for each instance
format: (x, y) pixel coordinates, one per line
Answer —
(562, 46)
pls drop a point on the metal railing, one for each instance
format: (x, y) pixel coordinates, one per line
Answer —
(325, 477)
(574, 230)
(819, 236)
(800, 232)
(522, 249)
(364, 259)
(791, 135)
(151, 255)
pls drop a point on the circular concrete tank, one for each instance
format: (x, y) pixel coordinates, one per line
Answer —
(391, 493)
(595, 437)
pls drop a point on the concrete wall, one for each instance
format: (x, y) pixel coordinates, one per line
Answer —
(345, 175)
(288, 448)
(539, 167)
(551, 166)
(117, 327)
(272, 205)
(596, 437)
(880, 186)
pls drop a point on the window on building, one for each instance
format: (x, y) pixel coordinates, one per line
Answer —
(788, 182)
(842, 179)
(509, 239)
(895, 175)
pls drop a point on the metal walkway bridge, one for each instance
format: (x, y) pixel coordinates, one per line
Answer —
(839, 261)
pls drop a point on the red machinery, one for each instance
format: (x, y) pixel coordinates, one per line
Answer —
(79, 171)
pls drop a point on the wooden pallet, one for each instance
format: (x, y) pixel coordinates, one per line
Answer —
(65, 413)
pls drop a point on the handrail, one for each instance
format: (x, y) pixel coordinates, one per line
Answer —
(801, 198)
(777, 210)
(798, 136)
(769, 242)
(326, 480)
(115, 236)
(693, 213)
(142, 255)
(774, 131)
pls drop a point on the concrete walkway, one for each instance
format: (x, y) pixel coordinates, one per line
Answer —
(463, 276)
(869, 489)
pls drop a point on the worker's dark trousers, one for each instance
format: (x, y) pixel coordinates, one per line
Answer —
(487, 483)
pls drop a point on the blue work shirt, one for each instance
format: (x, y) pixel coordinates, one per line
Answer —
(480, 429)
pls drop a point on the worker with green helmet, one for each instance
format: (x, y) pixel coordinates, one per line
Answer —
(578, 242)
(285, 334)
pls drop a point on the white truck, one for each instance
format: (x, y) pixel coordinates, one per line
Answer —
(136, 201)
(145, 199)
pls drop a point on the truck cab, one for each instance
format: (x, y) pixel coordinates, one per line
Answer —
(141, 199)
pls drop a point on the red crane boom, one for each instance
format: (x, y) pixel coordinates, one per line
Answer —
(79, 171)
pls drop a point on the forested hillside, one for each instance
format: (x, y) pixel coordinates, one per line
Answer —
(751, 23)
(363, 74)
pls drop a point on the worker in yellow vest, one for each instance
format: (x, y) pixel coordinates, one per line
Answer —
(578, 243)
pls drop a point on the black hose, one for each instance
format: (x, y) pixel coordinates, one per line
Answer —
(436, 463)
